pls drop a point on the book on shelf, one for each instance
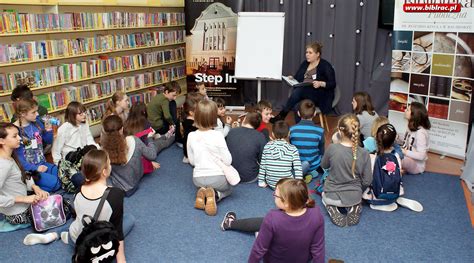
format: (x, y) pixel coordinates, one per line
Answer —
(45, 101)
(12, 21)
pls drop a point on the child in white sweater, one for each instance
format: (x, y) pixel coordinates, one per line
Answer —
(73, 133)
(207, 147)
(416, 139)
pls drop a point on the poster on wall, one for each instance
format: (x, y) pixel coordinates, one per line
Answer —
(211, 34)
(433, 63)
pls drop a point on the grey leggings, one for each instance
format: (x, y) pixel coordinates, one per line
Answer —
(247, 224)
(218, 182)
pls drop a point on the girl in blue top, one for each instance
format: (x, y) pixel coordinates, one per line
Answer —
(30, 153)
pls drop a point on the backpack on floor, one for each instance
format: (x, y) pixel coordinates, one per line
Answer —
(99, 240)
(48, 214)
(71, 165)
(386, 177)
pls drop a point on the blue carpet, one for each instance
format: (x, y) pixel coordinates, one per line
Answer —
(169, 229)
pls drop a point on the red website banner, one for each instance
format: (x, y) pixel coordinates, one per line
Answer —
(432, 8)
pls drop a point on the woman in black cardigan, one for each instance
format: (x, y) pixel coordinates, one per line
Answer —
(320, 74)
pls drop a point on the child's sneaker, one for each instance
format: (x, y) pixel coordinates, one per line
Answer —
(200, 197)
(185, 160)
(211, 205)
(228, 219)
(308, 178)
(353, 215)
(337, 217)
(180, 145)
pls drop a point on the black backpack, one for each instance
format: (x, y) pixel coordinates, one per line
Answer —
(99, 240)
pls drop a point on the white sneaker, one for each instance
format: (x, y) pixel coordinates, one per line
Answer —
(386, 208)
(410, 204)
(180, 145)
(185, 160)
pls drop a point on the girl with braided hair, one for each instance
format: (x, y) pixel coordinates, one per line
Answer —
(349, 172)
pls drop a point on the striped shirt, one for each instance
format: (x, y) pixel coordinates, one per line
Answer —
(279, 160)
(309, 140)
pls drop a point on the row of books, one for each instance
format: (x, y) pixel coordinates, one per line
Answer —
(85, 93)
(12, 21)
(45, 49)
(98, 90)
(96, 113)
(65, 73)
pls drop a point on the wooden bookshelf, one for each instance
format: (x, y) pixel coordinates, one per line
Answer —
(87, 55)
(98, 77)
(94, 6)
(109, 96)
(83, 30)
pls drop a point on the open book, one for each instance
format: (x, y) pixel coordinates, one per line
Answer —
(294, 83)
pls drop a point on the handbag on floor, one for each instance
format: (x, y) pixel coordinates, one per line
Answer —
(48, 214)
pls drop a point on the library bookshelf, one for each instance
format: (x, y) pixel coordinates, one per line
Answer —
(86, 55)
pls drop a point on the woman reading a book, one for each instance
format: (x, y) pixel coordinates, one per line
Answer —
(321, 82)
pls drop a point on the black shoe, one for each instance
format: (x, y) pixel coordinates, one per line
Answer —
(336, 217)
(227, 221)
(280, 117)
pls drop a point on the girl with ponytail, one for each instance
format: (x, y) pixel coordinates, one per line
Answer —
(349, 172)
(118, 105)
(296, 225)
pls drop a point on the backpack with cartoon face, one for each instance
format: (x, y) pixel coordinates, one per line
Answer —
(99, 240)
(386, 177)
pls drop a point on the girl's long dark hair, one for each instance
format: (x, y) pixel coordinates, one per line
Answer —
(4, 126)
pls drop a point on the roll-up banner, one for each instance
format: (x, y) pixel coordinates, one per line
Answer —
(433, 63)
(211, 34)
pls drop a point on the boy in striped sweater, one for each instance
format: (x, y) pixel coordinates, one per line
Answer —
(309, 139)
(279, 159)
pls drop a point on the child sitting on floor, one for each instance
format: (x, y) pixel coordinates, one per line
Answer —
(207, 147)
(189, 107)
(265, 108)
(223, 122)
(349, 173)
(279, 159)
(297, 225)
(308, 139)
(30, 153)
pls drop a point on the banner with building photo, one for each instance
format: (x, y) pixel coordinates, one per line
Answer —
(211, 34)
(433, 63)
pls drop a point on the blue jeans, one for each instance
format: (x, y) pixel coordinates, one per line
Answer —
(49, 180)
(305, 167)
(320, 97)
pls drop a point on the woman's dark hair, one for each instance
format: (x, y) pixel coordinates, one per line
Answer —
(280, 130)
(418, 117)
(113, 141)
(73, 108)
(364, 103)
(386, 135)
(4, 127)
(93, 163)
(137, 119)
(294, 192)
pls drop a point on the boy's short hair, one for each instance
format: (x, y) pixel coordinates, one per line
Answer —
(173, 86)
(205, 115)
(306, 109)
(21, 92)
(280, 130)
(254, 119)
(264, 104)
